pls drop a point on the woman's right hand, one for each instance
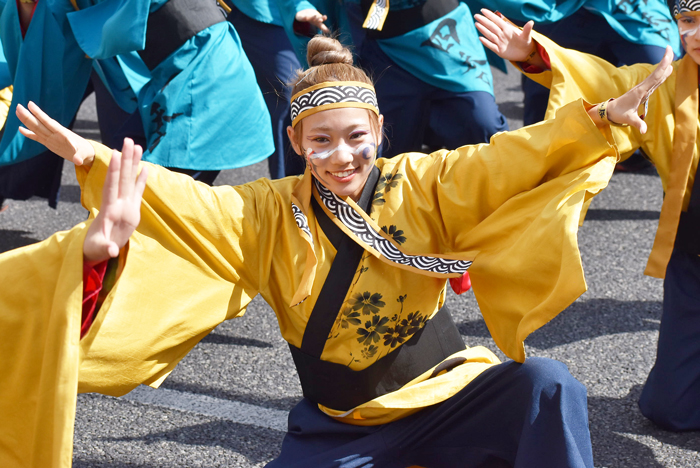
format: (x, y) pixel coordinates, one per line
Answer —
(312, 16)
(504, 38)
(57, 138)
(120, 211)
(623, 110)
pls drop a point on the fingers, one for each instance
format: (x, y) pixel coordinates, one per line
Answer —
(125, 176)
(140, 184)
(527, 30)
(489, 45)
(50, 124)
(110, 190)
(497, 20)
(668, 56)
(488, 25)
(317, 20)
(638, 123)
(29, 134)
(32, 123)
(487, 29)
(138, 152)
(658, 76)
(113, 250)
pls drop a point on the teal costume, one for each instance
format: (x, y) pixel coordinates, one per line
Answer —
(640, 22)
(200, 105)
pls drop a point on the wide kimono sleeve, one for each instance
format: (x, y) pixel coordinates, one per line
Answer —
(40, 311)
(574, 75)
(517, 202)
(198, 258)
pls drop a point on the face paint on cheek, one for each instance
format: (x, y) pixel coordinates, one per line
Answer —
(314, 171)
(368, 150)
(687, 29)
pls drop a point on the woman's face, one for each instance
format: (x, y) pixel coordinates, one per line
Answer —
(689, 28)
(340, 147)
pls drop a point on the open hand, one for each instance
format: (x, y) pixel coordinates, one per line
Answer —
(121, 204)
(311, 15)
(624, 110)
(57, 138)
(504, 38)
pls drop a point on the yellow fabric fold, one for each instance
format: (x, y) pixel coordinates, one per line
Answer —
(5, 103)
(684, 145)
(201, 253)
(301, 197)
(184, 275)
(469, 256)
(671, 139)
(40, 311)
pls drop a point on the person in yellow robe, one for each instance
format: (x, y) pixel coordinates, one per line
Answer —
(671, 394)
(353, 257)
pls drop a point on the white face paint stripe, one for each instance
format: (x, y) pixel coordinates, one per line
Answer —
(324, 154)
(689, 31)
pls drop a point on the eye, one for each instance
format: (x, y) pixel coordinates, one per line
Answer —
(320, 139)
(357, 135)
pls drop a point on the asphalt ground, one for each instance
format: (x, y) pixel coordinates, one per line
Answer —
(226, 403)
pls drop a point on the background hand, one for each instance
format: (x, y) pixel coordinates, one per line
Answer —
(121, 205)
(310, 15)
(57, 138)
(625, 109)
(503, 38)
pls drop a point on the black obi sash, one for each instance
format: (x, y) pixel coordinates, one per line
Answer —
(336, 385)
(688, 235)
(400, 22)
(175, 23)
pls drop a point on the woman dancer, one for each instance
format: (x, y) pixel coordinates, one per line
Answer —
(671, 394)
(353, 256)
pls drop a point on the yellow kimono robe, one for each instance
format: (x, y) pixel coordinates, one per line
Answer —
(201, 254)
(671, 140)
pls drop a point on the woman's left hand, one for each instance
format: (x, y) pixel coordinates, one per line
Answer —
(624, 110)
(121, 203)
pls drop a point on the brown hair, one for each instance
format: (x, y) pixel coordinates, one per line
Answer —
(329, 60)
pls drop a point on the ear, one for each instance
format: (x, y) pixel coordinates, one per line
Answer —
(380, 119)
(292, 140)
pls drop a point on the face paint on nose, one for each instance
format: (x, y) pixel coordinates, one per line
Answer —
(366, 150)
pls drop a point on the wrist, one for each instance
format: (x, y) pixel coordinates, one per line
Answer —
(531, 55)
(603, 108)
(89, 152)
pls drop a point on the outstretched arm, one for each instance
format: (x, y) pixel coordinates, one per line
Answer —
(57, 138)
(122, 191)
(512, 43)
(624, 110)
(119, 213)
(507, 40)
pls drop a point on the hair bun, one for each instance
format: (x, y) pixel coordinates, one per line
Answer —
(323, 50)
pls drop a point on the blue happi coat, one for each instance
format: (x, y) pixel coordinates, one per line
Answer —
(201, 107)
(646, 22)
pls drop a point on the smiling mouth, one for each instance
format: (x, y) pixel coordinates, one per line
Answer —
(343, 174)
